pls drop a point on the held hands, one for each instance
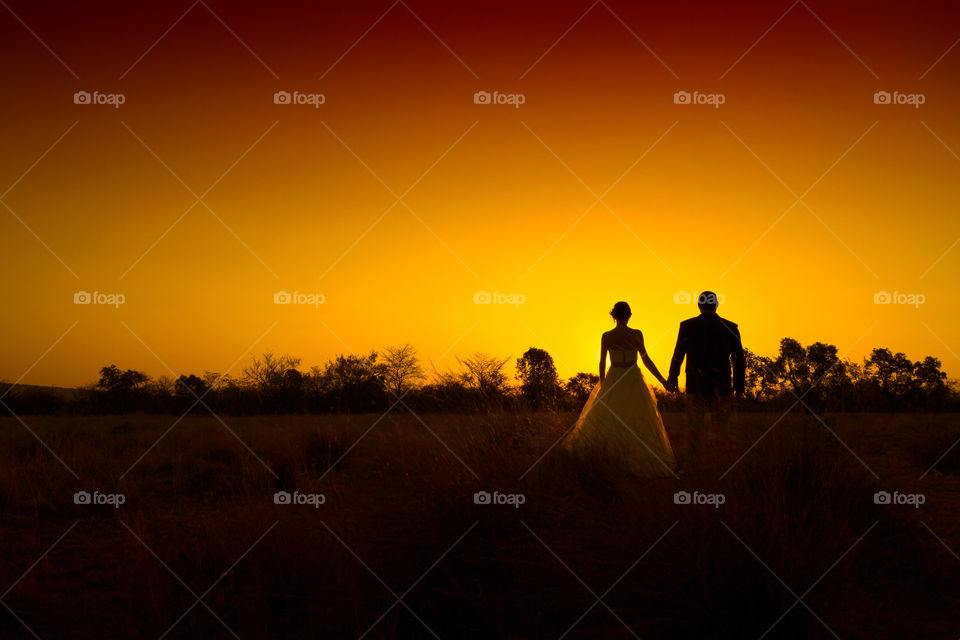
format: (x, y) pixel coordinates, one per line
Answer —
(671, 385)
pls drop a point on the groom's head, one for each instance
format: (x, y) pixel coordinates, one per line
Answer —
(707, 301)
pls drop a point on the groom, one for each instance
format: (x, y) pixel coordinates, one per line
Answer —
(710, 344)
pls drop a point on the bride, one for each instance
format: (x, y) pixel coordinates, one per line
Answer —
(620, 419)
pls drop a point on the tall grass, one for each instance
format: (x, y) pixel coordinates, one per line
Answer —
(798, 509)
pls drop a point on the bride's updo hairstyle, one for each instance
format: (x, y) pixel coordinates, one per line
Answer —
(621, 311)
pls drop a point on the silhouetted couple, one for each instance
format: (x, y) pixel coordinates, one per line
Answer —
(621, 420)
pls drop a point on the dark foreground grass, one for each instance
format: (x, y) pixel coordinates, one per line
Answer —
(399, 549)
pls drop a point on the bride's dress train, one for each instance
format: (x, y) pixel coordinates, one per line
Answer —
(620, 421)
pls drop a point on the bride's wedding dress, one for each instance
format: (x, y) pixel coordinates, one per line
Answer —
(620, 421)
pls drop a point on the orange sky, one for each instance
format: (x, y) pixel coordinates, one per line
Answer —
(493, 197)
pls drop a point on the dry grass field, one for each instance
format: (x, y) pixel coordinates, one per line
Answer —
(799, 548)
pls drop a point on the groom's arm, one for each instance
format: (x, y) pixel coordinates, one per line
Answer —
(678, 354)
(738, 361)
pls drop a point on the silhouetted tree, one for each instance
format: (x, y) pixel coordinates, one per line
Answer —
(113, 378)
(292, 379)
(828, 375)
(358, 383)
(538, 377)
(905, 384)
(188, 389)
(267, 373)
(792, 367)
(191, 386)
(121, 389)
(579, 386)
(401, 369)
(162, 386)
(892, 373)
(484, 373)
(270, 377)
(933, 385)
(816, 374)
(355, 382)
(928, 374)
(762, 382)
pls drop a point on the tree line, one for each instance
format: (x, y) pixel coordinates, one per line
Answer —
(813, 378)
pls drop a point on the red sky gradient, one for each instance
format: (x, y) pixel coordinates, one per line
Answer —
(701, 197)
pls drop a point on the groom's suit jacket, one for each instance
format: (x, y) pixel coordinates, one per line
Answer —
(711, 344)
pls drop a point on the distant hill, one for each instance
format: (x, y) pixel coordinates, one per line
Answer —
(66, 393)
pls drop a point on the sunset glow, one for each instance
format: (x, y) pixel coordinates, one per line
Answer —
(802, 199)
